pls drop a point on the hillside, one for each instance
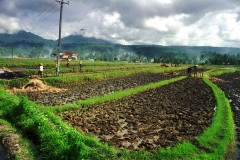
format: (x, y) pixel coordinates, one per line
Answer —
(28, 44)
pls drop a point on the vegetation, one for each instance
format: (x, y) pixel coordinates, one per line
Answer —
(219, 71)
(57, 140)
(25, 44)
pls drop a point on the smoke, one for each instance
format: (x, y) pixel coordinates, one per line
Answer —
(49, 50)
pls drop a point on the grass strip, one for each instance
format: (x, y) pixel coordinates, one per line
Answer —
(57, 140)
(220, 71)
(217, 137)
(18, 147)
(113, 96)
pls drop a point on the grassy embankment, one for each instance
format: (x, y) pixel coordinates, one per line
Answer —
(57, 140)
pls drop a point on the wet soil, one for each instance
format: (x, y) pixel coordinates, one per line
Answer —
(151, 119)
(82, 91)
(3, 154)
(230, 84)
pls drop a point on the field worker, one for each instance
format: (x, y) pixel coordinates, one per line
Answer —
(40, 72)
(57, 72)
(80, 64)
(68, 63)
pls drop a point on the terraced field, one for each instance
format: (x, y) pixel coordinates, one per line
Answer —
(76, 91)
(153, 122)
(152, 119)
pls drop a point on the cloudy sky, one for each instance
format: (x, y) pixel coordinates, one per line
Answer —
(162, 22)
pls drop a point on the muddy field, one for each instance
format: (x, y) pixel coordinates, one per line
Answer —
(96, 88)
(230, 84)
(156, 118)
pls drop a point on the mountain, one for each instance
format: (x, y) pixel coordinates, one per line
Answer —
(74, 41)
(79, 39)
(28, 38)
(29, 44)
(21, 36)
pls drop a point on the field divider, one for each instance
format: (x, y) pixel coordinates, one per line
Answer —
(114, 96)
(58, 140)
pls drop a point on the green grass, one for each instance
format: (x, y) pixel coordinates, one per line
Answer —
(57, 140)
(8, 132)
(220, 71)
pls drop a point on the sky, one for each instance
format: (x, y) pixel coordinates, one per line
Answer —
(129, 22)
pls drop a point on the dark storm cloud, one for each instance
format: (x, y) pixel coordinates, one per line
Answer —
(134, 12)
(212, 22)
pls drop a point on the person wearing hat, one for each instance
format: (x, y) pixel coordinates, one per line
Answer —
(40, 72)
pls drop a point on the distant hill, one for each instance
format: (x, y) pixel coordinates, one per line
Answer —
(28, 38)
(83, 40)
(74, 41)
(27, 43)
(21, 36)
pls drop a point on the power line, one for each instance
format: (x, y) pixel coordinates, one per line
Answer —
(41, 19)
(40, 13)
(46, 17)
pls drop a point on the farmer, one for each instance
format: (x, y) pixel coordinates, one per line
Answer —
(68, 63)
(80, 64)
(57, 71)
(40, 72)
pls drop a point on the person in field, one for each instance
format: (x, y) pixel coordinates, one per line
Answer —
(80, 65)
(56, 68)
(40, 72)
(68, 63)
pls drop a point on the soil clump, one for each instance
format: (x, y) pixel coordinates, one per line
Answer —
(76, 91)
(157, 118)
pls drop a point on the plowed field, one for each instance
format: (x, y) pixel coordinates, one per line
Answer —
(155, 118)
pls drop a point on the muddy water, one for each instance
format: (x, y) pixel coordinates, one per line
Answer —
(2, 153)
(230, 84)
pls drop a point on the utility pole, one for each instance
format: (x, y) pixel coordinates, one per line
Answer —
(59, 36)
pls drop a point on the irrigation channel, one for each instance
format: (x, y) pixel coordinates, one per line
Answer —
(2, 152)
(230, 84)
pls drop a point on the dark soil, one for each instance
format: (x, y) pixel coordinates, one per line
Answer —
(12, 75)
(152, 119)
(78, 91)
(230, 84)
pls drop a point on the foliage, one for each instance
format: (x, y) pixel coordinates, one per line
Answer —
(219, 71)
(57, 140)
